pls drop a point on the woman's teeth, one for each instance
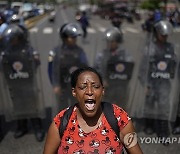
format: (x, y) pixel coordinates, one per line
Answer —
(90, 105)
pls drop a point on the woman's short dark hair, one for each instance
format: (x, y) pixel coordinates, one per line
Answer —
(76, 73)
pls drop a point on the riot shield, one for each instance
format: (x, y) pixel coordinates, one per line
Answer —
(157, 87)
(22, 82)
(66, 63)
(117, 72)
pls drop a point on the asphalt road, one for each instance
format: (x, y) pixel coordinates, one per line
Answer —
(44, 37)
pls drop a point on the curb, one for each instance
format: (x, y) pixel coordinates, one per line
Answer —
(32, 21)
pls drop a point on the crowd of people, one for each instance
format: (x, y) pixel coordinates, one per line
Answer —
(85, 88)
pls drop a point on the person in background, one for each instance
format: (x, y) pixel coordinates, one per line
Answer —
(117, 19)
(88, 130)
(157, 15)
(83, 20)
(149, 23)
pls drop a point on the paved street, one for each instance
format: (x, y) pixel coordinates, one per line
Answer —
(44, 37)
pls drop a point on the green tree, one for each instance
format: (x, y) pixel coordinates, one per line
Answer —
(151, 4)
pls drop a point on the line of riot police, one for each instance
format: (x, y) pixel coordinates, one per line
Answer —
(152, 94)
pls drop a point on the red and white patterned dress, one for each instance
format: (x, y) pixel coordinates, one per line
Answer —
(102, 140)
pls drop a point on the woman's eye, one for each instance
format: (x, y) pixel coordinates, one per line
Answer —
(96, 86)
(82, 87)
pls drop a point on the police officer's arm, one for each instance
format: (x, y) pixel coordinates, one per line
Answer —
(129, 139)
(56, 72)
(52, 140)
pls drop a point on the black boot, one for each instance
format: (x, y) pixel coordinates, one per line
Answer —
(38, 130)
(176, 128)
(21, 128)
(149, 126)
(162, 130)
(1, 134)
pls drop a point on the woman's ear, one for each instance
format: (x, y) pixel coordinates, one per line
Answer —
(103, 91)
(73, 92)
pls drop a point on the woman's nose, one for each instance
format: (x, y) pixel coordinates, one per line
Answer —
(89, 90)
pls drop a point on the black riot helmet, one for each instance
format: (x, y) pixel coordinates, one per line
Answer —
(113, 34)
(163, 27)
(15, 35)
(70, 30)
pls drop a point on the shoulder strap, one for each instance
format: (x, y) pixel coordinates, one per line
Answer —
(109, 114)
(65, 119)
(107, 110)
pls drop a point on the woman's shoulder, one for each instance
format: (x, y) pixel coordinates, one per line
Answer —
(121, 115)
(119, 110)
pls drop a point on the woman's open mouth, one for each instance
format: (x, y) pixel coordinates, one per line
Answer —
(90, 104)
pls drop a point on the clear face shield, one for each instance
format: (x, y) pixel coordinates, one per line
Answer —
(15, 41)
(112, 45)
(71, 41)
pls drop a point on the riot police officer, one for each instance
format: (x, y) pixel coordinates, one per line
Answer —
(20, 68)
(64, 59)
(158, 77)
(116, 65)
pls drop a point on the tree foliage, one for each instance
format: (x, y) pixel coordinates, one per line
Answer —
(150, 4)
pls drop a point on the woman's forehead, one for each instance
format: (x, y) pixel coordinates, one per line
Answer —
(88, 76)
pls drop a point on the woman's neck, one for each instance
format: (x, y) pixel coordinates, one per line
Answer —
(89, 124)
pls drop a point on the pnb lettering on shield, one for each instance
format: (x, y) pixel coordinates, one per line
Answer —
(118, 76)
(19, 75)
(161, 75)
